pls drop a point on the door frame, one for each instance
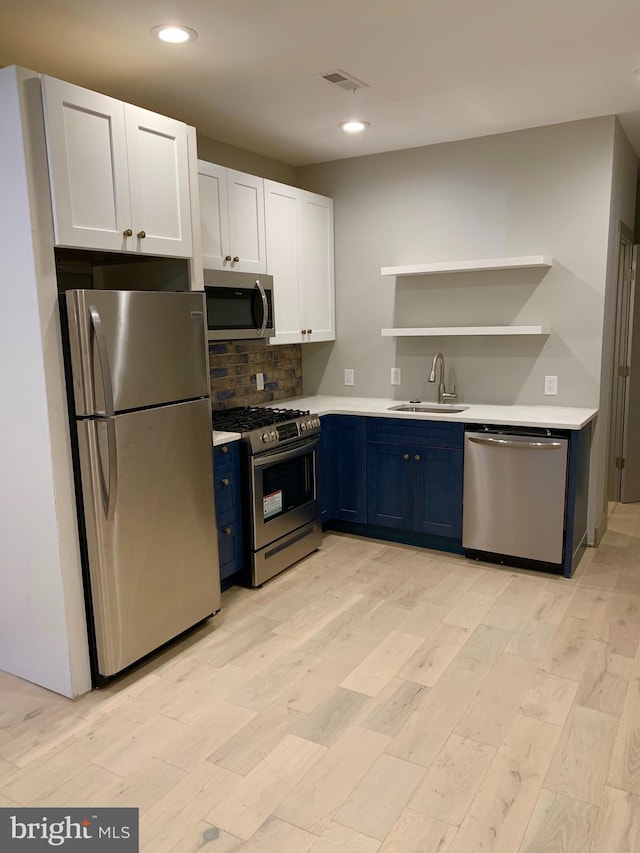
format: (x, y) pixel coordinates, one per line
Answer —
(621, 358)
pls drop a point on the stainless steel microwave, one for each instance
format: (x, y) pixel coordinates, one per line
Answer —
(239, 305)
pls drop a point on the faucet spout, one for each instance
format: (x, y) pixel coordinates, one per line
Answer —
(438, 357)
(443, 395)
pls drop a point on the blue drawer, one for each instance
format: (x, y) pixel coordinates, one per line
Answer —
(228, 496)
(230, 549)
(415, 433)
(226, 457)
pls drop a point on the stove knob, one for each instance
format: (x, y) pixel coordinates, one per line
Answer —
(265, 437)
(274, 435)
(303, 426)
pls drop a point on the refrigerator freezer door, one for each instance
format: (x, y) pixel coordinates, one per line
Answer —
(132, 349)
(153, 566)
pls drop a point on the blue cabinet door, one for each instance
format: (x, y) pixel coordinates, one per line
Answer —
(389, 485)
(348, 470)
(323, 469)
(437, 491)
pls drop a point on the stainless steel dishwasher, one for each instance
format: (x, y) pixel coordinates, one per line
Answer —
(515, 488)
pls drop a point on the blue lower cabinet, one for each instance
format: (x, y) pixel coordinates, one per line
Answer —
(228, 496)
(414, 475)
(348, 468)
(415, 488)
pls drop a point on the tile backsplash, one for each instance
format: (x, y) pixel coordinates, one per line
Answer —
(232, 373)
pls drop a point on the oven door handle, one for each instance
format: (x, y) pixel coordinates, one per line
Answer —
(270, 458)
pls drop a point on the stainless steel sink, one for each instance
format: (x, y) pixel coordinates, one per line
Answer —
(428, 408)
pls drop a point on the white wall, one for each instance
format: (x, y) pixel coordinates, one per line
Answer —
(42, 626)
(545, 190)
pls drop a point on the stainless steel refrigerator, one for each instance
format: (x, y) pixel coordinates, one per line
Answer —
(138, 379)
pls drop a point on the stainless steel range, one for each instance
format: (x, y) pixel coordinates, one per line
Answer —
(279, 467)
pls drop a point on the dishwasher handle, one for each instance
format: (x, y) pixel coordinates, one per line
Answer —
(504, 442)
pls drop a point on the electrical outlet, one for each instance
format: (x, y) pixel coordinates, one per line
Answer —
(550, 385)
(395, 375)
(260, 381)
(349, 376)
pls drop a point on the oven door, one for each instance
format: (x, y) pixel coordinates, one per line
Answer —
(284, 491)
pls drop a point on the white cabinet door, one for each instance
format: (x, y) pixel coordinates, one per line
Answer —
(245, 195)
(88, 171)
(283, 222)
(317, 281)
(214, 215)
(159, 183)
(231, 219)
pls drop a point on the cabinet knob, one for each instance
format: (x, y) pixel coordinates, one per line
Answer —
(141, 235)
(227, 531)
(224, 449)
(405, 456)
(227, 257)
(417, 457)
(127, 233)
(225, 481)
(304, 331)
(236, 260)
(309, 331)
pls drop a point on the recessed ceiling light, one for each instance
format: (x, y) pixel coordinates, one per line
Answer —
(354, 126)
(174, 34)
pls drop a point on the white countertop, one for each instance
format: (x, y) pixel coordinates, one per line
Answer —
(224, 437)
(560, 417)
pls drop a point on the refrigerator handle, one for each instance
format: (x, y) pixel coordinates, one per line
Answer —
(103, 358)
(265, 308)
(108, 494)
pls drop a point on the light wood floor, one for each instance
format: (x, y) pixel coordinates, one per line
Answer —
(373, 698)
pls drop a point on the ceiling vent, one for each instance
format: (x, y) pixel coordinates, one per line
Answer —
(344, 81)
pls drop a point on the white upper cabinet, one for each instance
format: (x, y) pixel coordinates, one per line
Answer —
(119, 174)
(299, 230)
(231, 219)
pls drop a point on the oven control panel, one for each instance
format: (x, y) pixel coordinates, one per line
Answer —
(285, 432)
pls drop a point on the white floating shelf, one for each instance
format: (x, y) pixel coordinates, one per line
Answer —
(529, 261)
(449, 331)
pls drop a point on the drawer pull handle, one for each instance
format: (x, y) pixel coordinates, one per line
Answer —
(227, 257)
(405, 456)
(227, 531)
(142, 235)
(225, 481)
(417, 457)
(224, 449)
(127, 233)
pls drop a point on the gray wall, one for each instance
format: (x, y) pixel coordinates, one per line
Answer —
(244, 161)
(545, 190)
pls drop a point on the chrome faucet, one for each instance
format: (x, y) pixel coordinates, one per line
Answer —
(443, 395)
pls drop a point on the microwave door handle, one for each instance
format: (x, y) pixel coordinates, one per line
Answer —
(265, 308)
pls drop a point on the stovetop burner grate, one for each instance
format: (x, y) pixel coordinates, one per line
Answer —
(246, 418)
